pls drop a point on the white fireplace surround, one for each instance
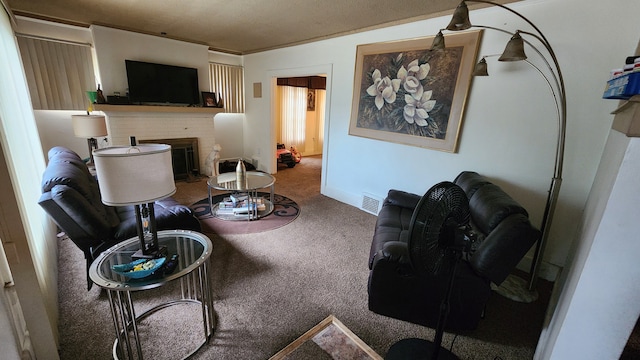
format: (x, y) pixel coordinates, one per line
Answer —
(161, 122)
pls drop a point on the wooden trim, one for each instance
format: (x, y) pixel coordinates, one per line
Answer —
(329, 320)
(150, 108)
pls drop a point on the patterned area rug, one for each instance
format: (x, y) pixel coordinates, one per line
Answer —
(285, 211)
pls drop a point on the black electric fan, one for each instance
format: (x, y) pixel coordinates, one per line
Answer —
(437, 238)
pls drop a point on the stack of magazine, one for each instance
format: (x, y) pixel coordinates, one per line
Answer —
(238, 204)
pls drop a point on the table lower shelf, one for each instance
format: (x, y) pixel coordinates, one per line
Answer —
(261, 213)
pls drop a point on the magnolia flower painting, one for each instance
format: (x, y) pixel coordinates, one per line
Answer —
(406, 93)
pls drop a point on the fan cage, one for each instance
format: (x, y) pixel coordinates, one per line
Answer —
(434, 231)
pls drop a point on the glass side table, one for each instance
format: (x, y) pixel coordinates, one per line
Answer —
(255, 180)
(193, 250)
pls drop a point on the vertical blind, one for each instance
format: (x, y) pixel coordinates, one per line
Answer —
(58, 74)
(227, 81)
(293, 115)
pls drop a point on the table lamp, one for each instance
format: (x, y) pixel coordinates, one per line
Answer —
(89, 127)
(137, 175)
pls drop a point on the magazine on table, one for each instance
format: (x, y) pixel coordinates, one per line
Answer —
(238, 205)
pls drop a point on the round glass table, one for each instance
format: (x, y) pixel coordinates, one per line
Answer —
(242, 202)
(193, 250)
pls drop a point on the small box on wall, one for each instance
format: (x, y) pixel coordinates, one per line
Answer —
(623, 87)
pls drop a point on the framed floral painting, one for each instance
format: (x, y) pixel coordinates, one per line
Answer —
(406, 93)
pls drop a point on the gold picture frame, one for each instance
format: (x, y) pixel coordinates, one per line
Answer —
(408, 94)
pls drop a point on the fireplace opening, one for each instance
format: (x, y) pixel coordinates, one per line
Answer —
(184, 156)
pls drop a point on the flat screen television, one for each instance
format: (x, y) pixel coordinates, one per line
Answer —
(151, 83)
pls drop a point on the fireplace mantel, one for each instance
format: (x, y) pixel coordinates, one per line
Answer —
(106, 108)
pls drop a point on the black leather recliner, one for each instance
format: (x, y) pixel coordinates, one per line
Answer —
(504, 235)
(71, 196)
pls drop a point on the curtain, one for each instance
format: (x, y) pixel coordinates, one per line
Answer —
(58, 74)
(293, 115)
(227, 81)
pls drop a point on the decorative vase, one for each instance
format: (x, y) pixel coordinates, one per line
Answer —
(241, 175)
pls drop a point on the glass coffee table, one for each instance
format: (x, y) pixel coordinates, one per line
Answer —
(253, 207)
(193, 250)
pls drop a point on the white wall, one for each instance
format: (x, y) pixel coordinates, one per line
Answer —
(52, 30)
(27, 234)
(114, 46)
(229, 130)
(509, 130)
(599, 298)
(55, 129)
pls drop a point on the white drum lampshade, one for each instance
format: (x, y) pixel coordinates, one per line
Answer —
(89, 127)
(134, 174)
(137, 175)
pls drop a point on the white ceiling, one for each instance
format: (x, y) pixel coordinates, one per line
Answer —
(237, 26)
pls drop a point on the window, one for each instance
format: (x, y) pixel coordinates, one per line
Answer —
(227, 81)
(293, 115)
(58, 73)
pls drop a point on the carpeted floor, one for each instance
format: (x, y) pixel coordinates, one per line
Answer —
(271, 287)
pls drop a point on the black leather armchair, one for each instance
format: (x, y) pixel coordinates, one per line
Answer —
(504, 235)
(71, 196)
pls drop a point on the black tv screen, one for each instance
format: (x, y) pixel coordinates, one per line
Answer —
(162, 84)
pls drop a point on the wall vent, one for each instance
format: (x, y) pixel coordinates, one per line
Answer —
(371, 203)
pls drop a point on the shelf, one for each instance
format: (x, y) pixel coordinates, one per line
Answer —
(159, 108)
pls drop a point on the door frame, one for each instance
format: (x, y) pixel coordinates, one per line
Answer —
(273, 75)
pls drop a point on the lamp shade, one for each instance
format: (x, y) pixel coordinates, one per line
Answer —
(460, 19)
(481, 68)
(514, 51)
(88, 126)
(438, 42)
(134, 174)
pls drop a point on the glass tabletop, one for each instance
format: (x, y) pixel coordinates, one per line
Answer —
(191, 247)
(227, 181)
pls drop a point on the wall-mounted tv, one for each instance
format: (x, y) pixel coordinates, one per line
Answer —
(151, 83)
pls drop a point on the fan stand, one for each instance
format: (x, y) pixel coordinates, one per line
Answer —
(419, 349)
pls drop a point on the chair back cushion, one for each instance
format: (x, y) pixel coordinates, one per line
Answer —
(71, 196)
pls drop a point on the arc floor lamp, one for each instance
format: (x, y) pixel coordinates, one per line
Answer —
(514, 51)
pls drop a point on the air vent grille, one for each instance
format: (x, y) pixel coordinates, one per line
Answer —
(371, 203)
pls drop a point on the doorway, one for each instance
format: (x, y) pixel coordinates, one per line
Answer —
(321, 105)
(300, 113)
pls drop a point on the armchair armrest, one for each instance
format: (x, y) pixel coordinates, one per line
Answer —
(395, 254)
(169, 215)
(504, 247)
(402, 199)
(76, 216)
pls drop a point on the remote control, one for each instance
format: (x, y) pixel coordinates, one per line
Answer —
(171, 265)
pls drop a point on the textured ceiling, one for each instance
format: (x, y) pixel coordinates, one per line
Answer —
(237, 26)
